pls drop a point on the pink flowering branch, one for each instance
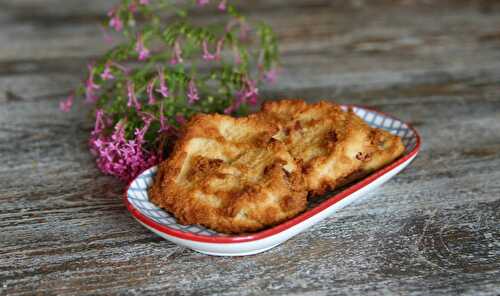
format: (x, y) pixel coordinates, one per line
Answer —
(192, 93)
(163, 90)
(115, 155)
(115, 22)
(271, 76)
(65, 106)
(164, 126)
(177, 55)
(91, 87)
(141, 50)
(150, 90)
(132, 99)
(207, 56)
(222, 5)
(106, 74)
(181, 119)
(143, 96)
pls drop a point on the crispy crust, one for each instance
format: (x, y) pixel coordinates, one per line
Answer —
(335, 147)
(230, 175)
(237, 175)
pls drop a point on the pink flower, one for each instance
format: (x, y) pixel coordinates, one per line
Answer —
(207, 56)
(115, 21)
(231, 109)
(239, 97)
(222, 5)
(139, 133)
(220, 45)
(106, 74)
(271, 75)
(251, 93)
(98, 128)
(132, 7)
(177, 54)
(143, 52)
(253, 100)
(107, 38)
(118, 156)
(180, 119)
(65, 105)
(192, 93)
(150, 89)
(132, 99)
(163, 90)
(164, 126)
(144, 2)
(202, 2)
(90, 86)
(99, 122)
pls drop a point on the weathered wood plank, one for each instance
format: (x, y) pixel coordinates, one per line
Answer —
(333, 34)
(419, 247)
(408, 49)
(426, 189)
(336, 66)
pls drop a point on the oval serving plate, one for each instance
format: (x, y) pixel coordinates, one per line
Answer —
(210, 242)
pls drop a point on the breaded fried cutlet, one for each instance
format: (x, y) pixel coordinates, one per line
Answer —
(230, 174)
(237, 175)
(333, 146)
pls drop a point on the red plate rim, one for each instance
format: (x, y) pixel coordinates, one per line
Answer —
(328, 202)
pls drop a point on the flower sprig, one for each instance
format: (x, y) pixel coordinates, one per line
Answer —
(168, 68)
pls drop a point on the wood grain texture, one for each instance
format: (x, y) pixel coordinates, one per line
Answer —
(433, 229)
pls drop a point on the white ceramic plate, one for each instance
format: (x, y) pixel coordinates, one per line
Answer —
(210, 242)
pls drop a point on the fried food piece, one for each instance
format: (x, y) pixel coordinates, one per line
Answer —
(335, 147)
(230, 175)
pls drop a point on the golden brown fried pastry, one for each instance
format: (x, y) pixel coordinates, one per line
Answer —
(231, 175)
(334, 146)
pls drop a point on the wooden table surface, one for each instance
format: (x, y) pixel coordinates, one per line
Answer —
(433, 229)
